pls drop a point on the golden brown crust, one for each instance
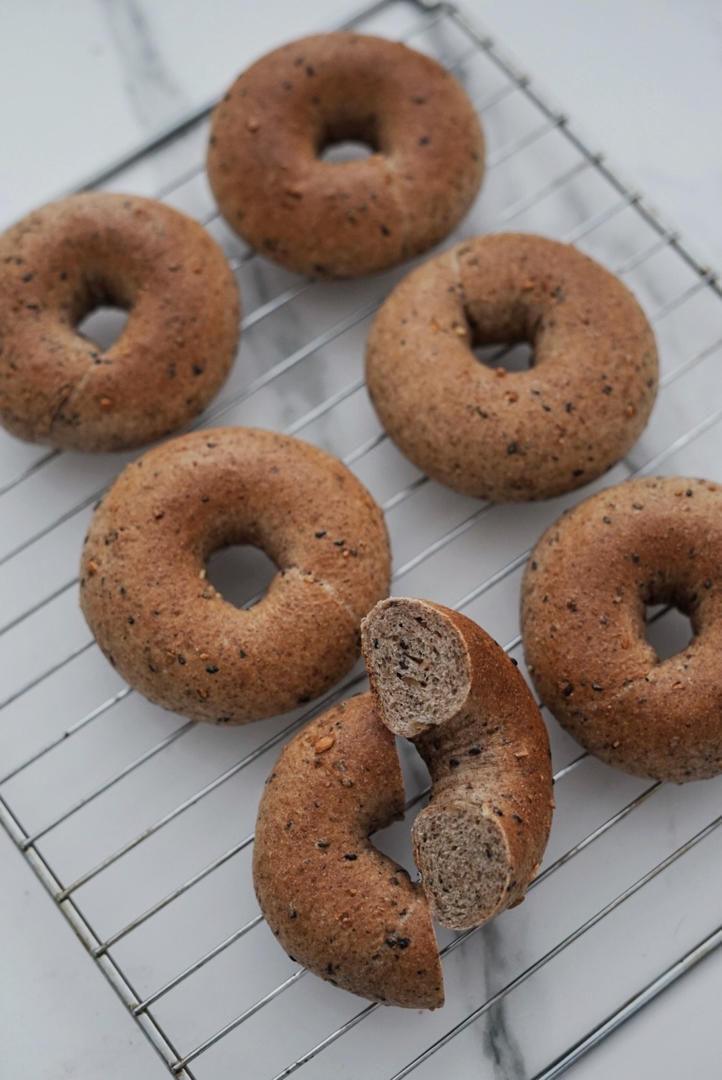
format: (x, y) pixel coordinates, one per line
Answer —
(57, 264)
(585, 589)
(512, 435)
(335, 903)
(164, 626)
(343, 220)
(489, 764)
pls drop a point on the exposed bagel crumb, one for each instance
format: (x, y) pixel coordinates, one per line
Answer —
(456, 684)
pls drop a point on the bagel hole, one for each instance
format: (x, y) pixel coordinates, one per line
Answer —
(514, 356)
(395, 839)
(668, 630)
(337, 152)
(241, 574)
(103, 325)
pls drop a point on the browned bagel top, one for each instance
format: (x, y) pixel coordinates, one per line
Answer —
(63, 260)
(586, 587)
(336, 903)
(166, 628)
(512, 435)
(344, 219)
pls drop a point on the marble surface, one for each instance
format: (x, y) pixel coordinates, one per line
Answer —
(58, 1017)
(99, 76)
(88, 80)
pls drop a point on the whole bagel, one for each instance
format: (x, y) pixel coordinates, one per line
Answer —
(338, 905)
(165, 628)
(501, 435)
(586, 586)
(348, 218)
(69, 257)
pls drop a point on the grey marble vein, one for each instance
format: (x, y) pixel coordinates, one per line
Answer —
(502, 1055)
(155, 95)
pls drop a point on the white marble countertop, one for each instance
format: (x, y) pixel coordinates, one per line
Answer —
(82, 84)
(89, 80)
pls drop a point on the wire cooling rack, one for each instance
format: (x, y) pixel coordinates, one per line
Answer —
(140, 825)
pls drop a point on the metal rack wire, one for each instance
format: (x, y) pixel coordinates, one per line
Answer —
(103, 793)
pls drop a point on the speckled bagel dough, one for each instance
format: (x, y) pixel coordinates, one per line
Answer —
(439, 679)
(348, 218)
(336, 904)
(165, 628)
(509, 436)
(59, 263)
(585, 589)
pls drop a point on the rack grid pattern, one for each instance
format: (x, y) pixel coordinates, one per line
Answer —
(140, 825)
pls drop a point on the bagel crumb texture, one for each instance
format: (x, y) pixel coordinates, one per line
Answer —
(338, 905)
(440, 680)
(591, 576)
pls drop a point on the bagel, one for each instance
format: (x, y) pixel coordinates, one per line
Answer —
(509, 436)
(338, 905)
(441, 681)
(62, 261)
(655, 540)
(168, 631)
(343, 219)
